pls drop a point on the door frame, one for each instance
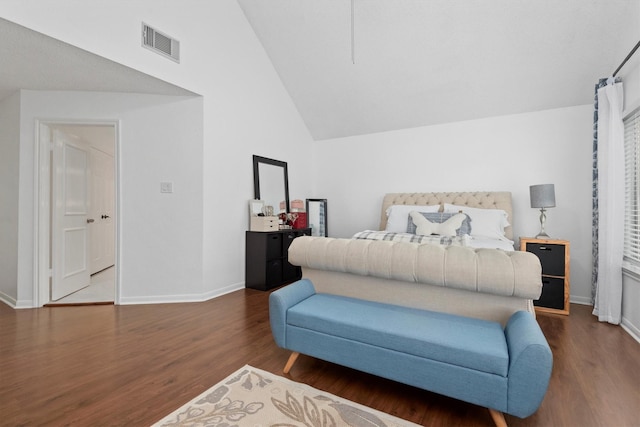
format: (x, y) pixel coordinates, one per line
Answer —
(42, 214)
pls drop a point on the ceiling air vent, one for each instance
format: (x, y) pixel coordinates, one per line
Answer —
(160, 43)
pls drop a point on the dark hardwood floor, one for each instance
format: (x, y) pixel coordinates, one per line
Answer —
(132, 365)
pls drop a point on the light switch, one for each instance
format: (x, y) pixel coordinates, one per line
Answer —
(166, 187)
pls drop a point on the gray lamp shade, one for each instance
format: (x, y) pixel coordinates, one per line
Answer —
(542, 196)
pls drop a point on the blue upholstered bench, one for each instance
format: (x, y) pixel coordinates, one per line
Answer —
(506, 370)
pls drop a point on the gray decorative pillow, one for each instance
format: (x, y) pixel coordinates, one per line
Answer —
(440, 217)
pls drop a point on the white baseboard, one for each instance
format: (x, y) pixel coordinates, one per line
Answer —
(167, 299)
(13, 303)
(161, 299)
(631, 329)
(579, 300)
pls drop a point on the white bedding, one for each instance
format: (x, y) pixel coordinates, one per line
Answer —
(464, 240)
(489, 243)
(413, 238)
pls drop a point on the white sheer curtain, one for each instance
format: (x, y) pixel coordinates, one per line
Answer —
(608, 295)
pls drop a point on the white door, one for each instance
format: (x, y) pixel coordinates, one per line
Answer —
(102, 230)
(70, 220)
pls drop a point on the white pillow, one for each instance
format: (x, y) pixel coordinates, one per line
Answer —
(486, 222)
(398, 215)
(424, 227)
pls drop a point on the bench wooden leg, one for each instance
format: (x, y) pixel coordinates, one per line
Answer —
(292, 360)
(498, 418)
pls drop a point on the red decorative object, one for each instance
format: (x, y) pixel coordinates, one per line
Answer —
(300, 221)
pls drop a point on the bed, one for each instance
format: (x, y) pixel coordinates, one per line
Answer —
(477, 275)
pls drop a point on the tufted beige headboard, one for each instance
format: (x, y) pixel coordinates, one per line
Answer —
(478, 199)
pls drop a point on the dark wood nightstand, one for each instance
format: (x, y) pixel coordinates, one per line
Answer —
(554, 258)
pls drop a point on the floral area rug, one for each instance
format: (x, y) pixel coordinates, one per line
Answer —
(256, 398)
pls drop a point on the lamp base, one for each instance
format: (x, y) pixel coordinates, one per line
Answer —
(542, 235)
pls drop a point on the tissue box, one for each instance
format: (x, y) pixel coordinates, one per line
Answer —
(264, 223)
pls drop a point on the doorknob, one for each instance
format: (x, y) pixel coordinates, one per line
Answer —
(90, 220)
(105, 216)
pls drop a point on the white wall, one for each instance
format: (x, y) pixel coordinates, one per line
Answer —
(245, 110)
(9, 160)
(507, 153)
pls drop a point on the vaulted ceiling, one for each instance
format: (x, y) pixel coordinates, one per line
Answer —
(363, 66)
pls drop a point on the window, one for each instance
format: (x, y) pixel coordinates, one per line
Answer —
(632, 187)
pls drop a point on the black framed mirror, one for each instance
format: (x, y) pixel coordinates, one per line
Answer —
(271, 182)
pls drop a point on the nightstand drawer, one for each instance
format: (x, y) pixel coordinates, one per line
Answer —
(551, 257)
(552, 293)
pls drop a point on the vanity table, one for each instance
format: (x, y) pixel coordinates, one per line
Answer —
(267, 246)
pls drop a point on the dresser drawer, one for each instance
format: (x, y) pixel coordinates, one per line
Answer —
(274, 273)
(552, 257)
(274, 245)
(264, 223)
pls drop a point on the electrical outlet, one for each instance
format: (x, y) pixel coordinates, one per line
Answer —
(166, 187)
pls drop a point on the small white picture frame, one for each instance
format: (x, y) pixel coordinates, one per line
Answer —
(255, 207)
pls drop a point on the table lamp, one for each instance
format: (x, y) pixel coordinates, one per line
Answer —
(542, 196)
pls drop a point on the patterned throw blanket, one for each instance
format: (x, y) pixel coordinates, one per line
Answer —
(413, 238)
